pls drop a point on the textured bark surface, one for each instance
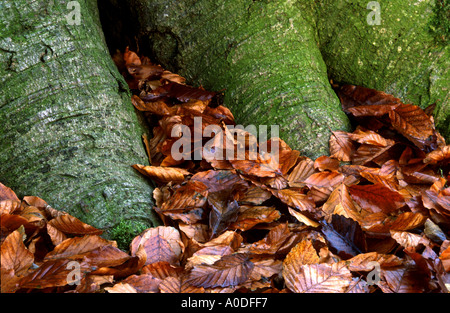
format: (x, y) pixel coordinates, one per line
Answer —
(406, 55)
(274, 58)
(264, 53)
(68, 132)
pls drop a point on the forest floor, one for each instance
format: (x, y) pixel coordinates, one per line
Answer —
(372, 216)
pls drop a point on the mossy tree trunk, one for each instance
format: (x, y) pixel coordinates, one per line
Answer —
(68, 131)
(275, 58)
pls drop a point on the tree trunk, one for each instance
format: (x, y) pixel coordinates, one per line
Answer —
(263, 53)
(406, 54)
(274, 58)
(69, 133)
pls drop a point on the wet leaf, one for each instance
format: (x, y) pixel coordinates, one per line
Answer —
(71, 225)
(230, 270)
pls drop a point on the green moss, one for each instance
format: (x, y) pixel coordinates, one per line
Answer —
(125, 232)
(440, 22)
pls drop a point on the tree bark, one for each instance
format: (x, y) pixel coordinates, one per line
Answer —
(406, 54)
(69, 133)
(274, 58)
(263, 53)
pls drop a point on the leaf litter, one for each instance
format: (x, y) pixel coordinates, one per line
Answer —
(373, 216)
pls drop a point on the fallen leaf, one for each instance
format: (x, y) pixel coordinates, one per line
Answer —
(230, 270)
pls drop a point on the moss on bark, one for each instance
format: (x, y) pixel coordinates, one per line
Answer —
(68, 133)
(263, 53)
(406, 54)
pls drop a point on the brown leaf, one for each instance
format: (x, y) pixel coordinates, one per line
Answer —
(404, 279)
(76, 247)
(7, 193)
(408, 220)
(301, 172)
(341, 147)
(354, 96)
(364, 261)
(438, 156)
(317, 278)
(230, 270)
(302, 218)
(53, 273)
(189, 196)
(412, 122)
(14, 255)
(324, 179)
(71, 225)
(253, 215)
(274, 240)
(303, 253)
(340, 202)
(162, 174)
(144, 283)
(178, 285)
(407, 239)
(368, 137)
(185, 93)
(326, 163)
(376, 198)
(294, 198)
(161, 244)
(162, 270)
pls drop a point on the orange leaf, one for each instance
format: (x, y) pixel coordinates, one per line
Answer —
(14, 255)
(160, 243)
(230, 270)
(71, 225)
(324, 179)
(317, 278)
(341, 147)
(250, 216)
(161, 173)
(294, 198)
(326, 163)
(376, 198)
(178, 285)
(7, 193)
(413, 123)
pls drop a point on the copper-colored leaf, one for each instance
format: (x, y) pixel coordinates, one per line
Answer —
(161, 173)
(408, 220)
(189, 196)
(412, 122)
(317, 278)
(14, 255)
(341, 147)
(144, 283)
(438, 156)
(302, 218)
(71, 225)
(230, 270)
(324, 162)
(178, 285)
(407, 239)
(301, 172)
(7, 193)
(324, 179)
(376, 198)
(76, 247)
(303, 253)
(340, 202)
(160, 243)
(369, 137)
(53, 273)
(250, 216)
(354, 96)
(274, 240)
(294, 198)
